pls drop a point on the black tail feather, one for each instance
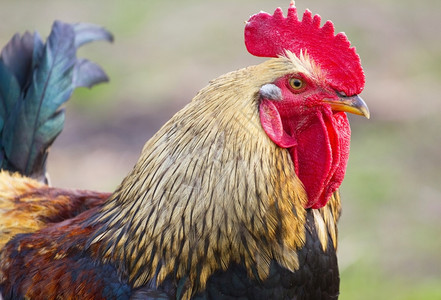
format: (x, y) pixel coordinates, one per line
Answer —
(36, 79)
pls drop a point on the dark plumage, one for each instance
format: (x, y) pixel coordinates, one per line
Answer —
(36, 79)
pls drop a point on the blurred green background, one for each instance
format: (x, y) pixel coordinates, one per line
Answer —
(165, 51)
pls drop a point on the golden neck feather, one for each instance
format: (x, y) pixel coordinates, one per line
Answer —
(209, 189)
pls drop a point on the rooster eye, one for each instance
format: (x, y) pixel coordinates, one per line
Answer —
(296, 83)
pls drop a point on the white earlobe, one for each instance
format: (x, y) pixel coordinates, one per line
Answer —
(271, 92)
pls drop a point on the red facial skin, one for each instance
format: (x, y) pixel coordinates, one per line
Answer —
(316, 137)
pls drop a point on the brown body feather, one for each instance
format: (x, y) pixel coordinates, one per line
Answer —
(27, 205)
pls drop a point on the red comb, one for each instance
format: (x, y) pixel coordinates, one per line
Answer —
(270, 35)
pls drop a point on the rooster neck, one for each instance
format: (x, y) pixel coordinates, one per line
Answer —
(210, 189)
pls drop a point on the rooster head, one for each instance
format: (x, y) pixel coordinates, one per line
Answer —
(304, 111)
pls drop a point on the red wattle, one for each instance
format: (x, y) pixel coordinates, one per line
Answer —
(342, 128)
(322, 153)
(319, 147)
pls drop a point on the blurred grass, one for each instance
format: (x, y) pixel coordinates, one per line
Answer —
(165, 51)
(390, 229)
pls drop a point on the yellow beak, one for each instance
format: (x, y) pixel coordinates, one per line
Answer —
(354, 105)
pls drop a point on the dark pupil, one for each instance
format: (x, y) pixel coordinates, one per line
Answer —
(297, 83)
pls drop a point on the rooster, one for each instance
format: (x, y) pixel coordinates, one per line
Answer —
(235, 197)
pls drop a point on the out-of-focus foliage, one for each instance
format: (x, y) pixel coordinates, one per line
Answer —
(165, 51)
